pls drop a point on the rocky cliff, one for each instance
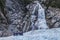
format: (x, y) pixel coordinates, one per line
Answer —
(19, 16)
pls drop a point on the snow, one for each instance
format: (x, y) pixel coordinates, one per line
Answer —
(49, 34)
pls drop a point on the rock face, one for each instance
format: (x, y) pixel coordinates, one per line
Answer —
(49, 34)
(20, 18)
(20, 21)
(14, 15)
(53, 17)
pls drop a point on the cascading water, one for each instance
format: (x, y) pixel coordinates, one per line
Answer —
(38, 16)
(41, 22)
(20, 22)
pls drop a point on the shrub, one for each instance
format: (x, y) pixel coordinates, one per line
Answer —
(2, 5)
(53, 3)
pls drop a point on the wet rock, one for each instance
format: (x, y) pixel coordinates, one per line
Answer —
(53, 17)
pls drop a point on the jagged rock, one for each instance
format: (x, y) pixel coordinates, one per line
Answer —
(53, 17)
(19, 17)
(14, 15)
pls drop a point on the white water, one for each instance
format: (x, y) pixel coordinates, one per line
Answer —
(49, 34)
(41, 21)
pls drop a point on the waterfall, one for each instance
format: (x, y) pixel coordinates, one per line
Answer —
(37, 20)
(41, 17)
(19, 21)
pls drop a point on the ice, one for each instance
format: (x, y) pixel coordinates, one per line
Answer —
(49, 34)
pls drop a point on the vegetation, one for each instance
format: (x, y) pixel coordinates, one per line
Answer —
(2, 4)
(53, 3)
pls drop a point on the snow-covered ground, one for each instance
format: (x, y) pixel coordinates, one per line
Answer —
(49, 34)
